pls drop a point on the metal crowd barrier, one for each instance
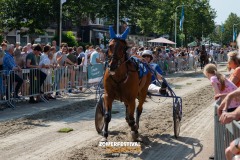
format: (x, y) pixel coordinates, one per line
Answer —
(61, 80)
(4, 78)
(178, 64)
(223, 135)
(40, 82)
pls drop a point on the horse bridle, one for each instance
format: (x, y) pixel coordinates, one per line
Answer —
(115, 55)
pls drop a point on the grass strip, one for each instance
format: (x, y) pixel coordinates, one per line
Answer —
(65, 130)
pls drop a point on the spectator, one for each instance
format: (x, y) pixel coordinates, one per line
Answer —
(29, 48)
(10, 65)
(226, 102)
(227, 117)
(54, 44)
(71, 68)
(140, 51)
(215, 54)
(71, 57)
(62, 60)
(221, 54)
(44, 55)
(2, 54)
(95, 57)
(61, 56)
(89, 52)
(233, 149)
(2, 87)
(82, 57)
(52, 56)
(234, 63)
(46, 66)
(24, 55)
(153, 87)
(36, 76)
(102, 55)
(4, 46)
(17, 49)
(221, 84)
(17, 55)
(5, 41)
(133, 51)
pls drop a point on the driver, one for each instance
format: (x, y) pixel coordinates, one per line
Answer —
(153, 87)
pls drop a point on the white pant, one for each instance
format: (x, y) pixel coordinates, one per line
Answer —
(153, 88)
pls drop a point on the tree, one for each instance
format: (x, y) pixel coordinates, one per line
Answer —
(146, 17)
(227, 35)
(68, 38)
(35, 15)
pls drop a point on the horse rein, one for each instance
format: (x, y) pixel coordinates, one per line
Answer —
(115, 57)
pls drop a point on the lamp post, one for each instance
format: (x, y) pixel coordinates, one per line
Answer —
(82, 34)
(176, 23)
(117, 16)
(233, 29)
(60, 24)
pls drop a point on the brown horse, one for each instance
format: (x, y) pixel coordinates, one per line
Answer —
(203, 57)
(122, 82)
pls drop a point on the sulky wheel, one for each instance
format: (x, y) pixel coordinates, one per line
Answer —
(99, 115)
(177, 115)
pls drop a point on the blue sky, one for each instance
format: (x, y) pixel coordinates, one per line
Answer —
(224, 8)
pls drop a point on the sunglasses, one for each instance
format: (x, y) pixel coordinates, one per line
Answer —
(146, 56)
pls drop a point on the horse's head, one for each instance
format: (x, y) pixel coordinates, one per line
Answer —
(117, 50)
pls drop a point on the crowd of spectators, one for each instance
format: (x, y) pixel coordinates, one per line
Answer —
(41, 60)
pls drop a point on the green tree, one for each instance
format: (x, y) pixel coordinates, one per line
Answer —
(227, 35)
(68, 38)
(35, 15)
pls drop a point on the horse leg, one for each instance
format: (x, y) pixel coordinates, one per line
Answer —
(126, 115)
(138, 113)
(142, 97)
(107, 117)
(131, 121)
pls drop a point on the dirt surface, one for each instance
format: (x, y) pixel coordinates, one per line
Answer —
(37, 136)
(154, 127)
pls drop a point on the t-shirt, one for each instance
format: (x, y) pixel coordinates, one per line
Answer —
(72, 58)
(79, 58)
(31, 57)
(43, 56)
(229, 87)
(93, 57)
(44, 61)
(236, 73)
(64, 57)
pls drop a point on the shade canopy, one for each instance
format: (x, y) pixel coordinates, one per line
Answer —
(161, 40)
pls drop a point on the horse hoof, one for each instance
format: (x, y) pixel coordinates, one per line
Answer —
(139, 139)
(104, 139)
(134, 136)
(136, 126)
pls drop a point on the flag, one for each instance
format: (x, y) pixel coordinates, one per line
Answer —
(222, 29)
(182, 19)
(235, 35)
(63, 1)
